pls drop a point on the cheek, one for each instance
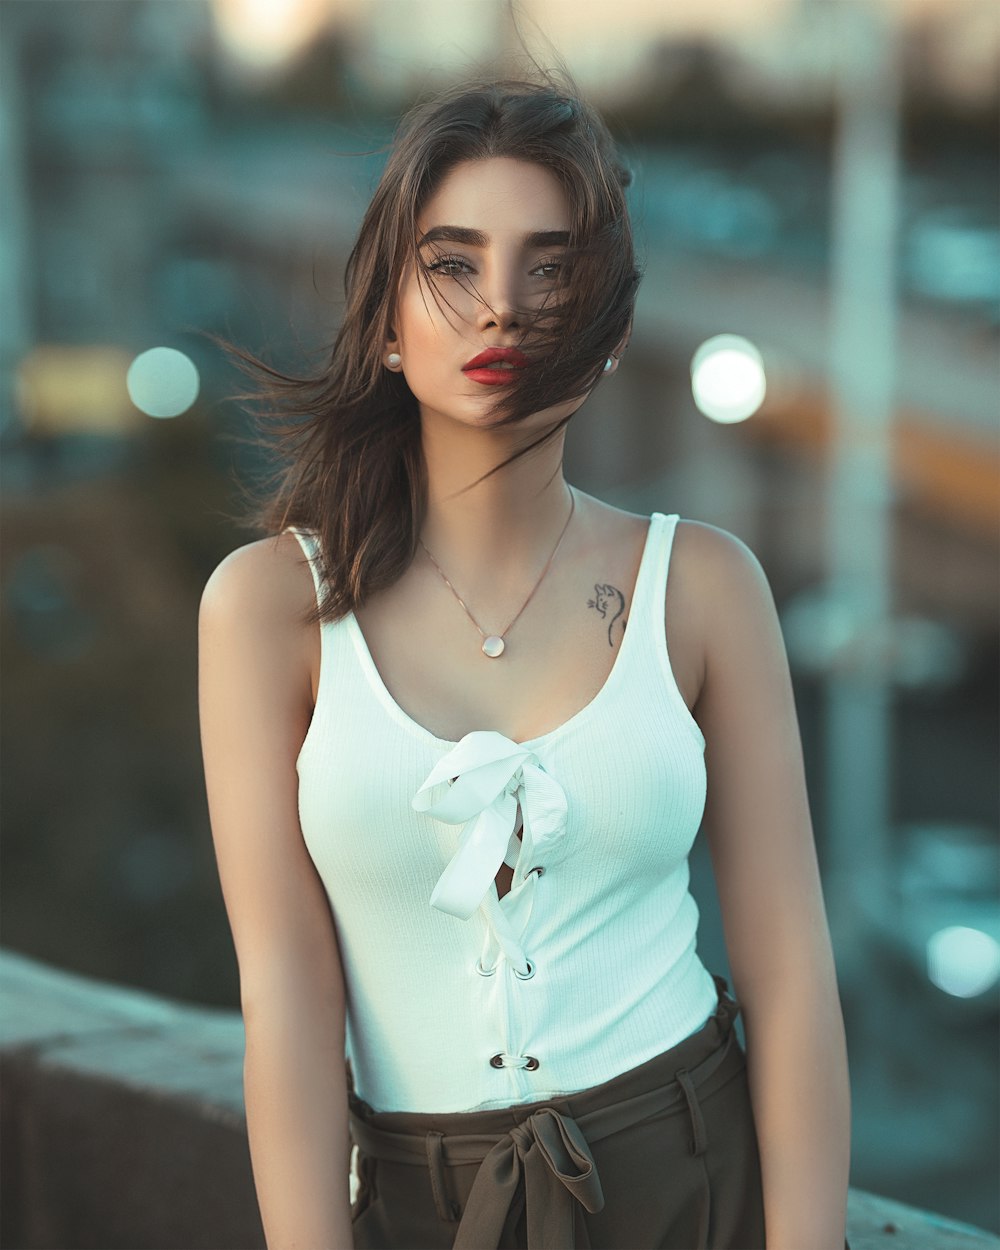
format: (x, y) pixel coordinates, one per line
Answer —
(428, 344)
(424, 319)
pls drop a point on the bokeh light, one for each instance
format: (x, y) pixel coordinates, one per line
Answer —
(727, 378)
(963, 962)
(266, 34)
(162, 382)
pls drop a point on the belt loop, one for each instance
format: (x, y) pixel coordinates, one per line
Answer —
(700, 1141)
(435, 1162)
(728, 1007)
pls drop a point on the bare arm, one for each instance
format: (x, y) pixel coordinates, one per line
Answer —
(759, 831)
(255, 707)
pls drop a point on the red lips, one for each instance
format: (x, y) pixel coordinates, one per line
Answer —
(508, 355)
(497, 366)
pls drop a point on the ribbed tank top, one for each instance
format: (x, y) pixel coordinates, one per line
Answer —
(458, 1000)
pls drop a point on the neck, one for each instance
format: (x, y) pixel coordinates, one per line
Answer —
(495, 537)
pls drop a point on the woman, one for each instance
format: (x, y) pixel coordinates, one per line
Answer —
(452, 821)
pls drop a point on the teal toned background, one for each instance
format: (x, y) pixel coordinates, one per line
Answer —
(820, 178)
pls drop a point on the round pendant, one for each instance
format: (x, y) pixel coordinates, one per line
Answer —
(493, 646)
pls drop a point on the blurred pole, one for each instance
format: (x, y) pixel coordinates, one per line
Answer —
(16, 299)
(858, 707)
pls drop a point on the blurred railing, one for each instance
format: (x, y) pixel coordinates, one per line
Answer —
(122, 1125)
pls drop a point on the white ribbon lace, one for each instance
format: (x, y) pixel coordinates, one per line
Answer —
(513, 1061)
(485, 782)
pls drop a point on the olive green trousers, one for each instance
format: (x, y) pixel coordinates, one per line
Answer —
(661, 1157)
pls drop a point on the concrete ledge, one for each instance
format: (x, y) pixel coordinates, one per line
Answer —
(122, 1127)
(121, 1118)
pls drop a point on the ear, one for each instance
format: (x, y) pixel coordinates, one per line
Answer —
(390, 344)
(617, 352)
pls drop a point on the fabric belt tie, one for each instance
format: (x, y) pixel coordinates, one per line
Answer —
(550, 1150)
(547, 1147)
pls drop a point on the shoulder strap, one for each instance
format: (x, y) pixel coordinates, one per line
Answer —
(310, 545)
(661, 542)
(650, 583)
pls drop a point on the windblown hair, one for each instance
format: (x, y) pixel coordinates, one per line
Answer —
(353, 467)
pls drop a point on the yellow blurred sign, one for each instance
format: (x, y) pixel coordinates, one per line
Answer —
(64, 389)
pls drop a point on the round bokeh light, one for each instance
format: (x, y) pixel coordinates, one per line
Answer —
(963, 961)
(727, 378)
(162, 382)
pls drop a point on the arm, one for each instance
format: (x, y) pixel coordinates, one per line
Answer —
(759, 831)
(254, 706)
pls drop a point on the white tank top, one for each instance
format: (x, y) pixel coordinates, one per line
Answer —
(458, 1000)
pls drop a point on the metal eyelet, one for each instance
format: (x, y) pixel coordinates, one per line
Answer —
(484, 972)
(526, 976)
(532, 1063)
(496, 1061)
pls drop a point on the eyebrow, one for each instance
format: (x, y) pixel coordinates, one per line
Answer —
(476, 238)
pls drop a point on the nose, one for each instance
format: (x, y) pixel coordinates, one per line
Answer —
(500, 305)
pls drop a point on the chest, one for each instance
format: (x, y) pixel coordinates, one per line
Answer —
(625, 755)
(631, 771)
(557, 658)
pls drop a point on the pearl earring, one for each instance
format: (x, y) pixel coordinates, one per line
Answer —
(609, 364)
(394, 360)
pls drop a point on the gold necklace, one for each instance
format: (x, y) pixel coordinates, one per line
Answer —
(493, 644)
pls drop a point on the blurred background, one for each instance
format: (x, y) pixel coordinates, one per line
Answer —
(814, 368)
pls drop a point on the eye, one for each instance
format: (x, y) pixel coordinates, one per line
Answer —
(449, 266)
(552, 267)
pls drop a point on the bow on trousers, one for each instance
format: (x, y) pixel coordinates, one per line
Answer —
(552, 1154)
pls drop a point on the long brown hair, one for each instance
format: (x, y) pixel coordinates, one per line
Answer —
(353, 469)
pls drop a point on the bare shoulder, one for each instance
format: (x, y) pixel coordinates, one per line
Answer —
(721, 568)
(713, 549)
(730, 606)
(269, 577)
(715, 581)
(264, 588)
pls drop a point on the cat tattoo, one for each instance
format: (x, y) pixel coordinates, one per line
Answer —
(606, 597)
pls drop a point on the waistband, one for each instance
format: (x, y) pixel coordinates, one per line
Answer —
(548, 1142)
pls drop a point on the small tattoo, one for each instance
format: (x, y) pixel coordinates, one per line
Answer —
(606, 597)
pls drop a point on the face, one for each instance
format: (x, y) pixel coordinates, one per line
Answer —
(491, 238)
